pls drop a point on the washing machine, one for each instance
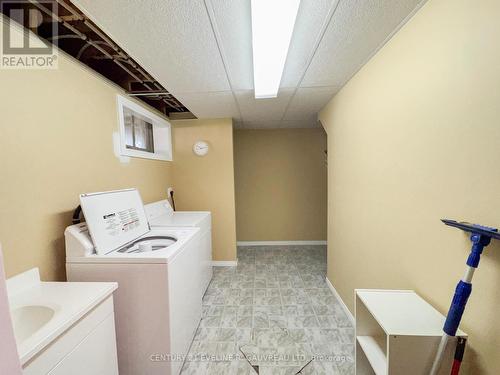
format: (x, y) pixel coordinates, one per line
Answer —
(158, 301)
(161, 215)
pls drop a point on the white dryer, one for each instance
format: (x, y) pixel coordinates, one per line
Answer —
(158, 301)
(161, 215)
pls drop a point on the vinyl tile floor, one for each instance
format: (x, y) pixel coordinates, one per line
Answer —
(273, 314)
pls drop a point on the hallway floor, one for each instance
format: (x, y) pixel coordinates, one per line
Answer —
(275, 311)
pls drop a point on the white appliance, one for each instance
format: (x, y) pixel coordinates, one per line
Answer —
(161, 215)
(158, 301)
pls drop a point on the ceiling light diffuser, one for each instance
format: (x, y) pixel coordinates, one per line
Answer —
(272, 27)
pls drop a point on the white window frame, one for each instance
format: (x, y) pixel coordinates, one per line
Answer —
(162, 135)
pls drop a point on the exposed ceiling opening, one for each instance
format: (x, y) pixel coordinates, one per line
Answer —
(81, 38)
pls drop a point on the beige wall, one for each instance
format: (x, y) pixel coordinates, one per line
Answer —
(207, 183)
(55, 143)
(414, 137)
(280, 184)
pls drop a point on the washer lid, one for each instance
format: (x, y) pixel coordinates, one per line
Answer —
(114, 218)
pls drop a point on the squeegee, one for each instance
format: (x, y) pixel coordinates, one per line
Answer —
(481, 237)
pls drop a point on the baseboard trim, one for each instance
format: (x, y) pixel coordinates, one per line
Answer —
(341, 301)
(278, 243)
(224, 263)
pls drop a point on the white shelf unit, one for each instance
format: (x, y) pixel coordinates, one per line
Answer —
(398, 333)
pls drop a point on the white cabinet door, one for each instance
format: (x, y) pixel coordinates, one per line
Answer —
(95, 355)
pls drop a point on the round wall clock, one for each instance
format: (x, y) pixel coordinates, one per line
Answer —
(200, 148)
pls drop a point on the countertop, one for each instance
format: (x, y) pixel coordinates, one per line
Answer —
(70, 301)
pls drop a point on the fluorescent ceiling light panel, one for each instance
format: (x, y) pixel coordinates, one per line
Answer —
(272, 27)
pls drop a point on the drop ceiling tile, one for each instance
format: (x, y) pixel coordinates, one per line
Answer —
(211, 104)
(271, 109)
(263, 124)
(173, 40)
(280, 124)
(233, 23)
(356, 30)
(310, 21)
(300, 124)
(308, 101)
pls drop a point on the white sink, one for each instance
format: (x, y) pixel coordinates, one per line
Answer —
(27, 320)
(42, 312)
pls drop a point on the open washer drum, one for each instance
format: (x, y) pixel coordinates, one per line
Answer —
(116, 221)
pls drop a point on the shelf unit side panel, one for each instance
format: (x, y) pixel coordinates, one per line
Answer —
(414, 355)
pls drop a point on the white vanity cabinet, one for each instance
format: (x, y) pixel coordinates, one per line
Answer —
(63, 328)
(87, 348)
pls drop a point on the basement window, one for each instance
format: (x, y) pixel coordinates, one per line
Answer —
(138, 131)
(142, 133)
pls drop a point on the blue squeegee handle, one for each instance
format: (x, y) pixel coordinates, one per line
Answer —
(464, 286)
(480, 237)
(462, 293)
